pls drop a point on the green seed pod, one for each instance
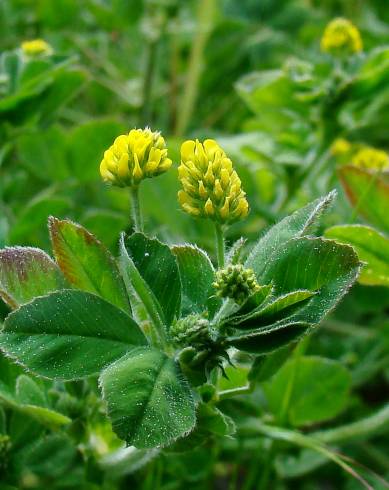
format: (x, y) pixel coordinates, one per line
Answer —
(235, 282)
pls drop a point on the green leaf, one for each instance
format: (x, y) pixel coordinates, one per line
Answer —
(25, 273)
(197, 276)
(29, 403)
(211, 419)
(69, 334)
(266, 366)
(269, 339)
(372, 248)
(52, 458)
(310, 401)
(297, 224)
(273, 310)
(87, 144)
(137, 286)
(236, 378)
(28, 392)
(44, 153)
(149, 402)
(158, 267)
(31, 223)
(86, 263)
(314, 264)
(368, 192)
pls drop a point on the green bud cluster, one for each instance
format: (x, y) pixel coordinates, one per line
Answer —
(191, 330)
(235, 282)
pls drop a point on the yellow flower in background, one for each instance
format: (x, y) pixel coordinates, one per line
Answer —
(341, 37)
(368, 157)
(340, 147)
(133, 157)
(211, 187)
(36, 47)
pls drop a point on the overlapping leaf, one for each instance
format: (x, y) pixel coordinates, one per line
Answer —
(158, 267)
(86, 263)
(69, 334)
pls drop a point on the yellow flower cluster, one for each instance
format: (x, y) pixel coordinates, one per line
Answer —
(341, 38)
(368, 157)
(133, 157)
(211, 187)
(36, 47)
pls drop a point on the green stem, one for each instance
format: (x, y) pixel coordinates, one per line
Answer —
(220, 249)
(151, 54)
(241, 390)
(206, 9)
(135, 209)
(376, 423)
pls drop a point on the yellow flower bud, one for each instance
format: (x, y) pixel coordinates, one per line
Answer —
(211, 187)
(340, 147)
(133, 157)
(341, 37)
(36, 47)
(368, 157)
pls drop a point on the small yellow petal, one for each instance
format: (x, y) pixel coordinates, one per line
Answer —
(218, 190)
(208, 208)
(137, 173)
(202, 190)
(123, 170)
(225, 210)
(187, 150)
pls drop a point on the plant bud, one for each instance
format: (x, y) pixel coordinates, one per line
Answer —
(133, 157)
(36, 47)
(235, 282)
(341, 38)
(191, 330)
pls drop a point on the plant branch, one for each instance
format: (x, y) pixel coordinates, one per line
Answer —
(135, 209)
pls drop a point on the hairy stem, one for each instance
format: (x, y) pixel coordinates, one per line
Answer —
(135, 209)
(220, 248)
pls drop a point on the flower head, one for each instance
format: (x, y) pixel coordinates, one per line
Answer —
(368, 157)
(341, 38)
(340, 147)
(133, 157)
(235, 282)
(211, 187)
(36, 47)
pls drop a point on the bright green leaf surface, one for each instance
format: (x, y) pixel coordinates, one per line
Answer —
(372, 247)
(69, 334)
(86, 263)
(309, 401)
(149, 402)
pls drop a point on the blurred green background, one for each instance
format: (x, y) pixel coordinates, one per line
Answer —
(249, 73)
